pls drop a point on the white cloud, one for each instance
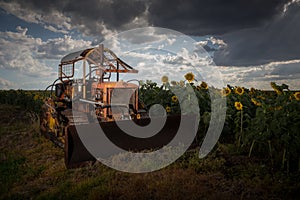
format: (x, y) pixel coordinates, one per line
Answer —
(32, 57)
(18, 50)
(52, 20)
(201, 43)
(54, 29)
(216, 41)
(17, 10)
(109, 38)
(6, 84)
(260, 76)
(139, 21)
(287, 5)
(59, 47)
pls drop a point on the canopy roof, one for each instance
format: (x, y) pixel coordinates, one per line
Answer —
(78, 55)
(99, 57)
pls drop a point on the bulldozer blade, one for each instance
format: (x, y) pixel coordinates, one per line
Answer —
(76, 154)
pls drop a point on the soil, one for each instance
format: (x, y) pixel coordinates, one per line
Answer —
(32, 167)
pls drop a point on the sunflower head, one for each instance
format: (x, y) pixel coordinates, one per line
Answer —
(252, 90)
(174, 99)
(204, 85)
(226, 91)
(168, 109)
(276, 88)
(239, 90)
(278, 108)
(278, 91)
(138, 116)
(238, 105)
(174, 83)
(261, 97)
(297, 96)
(36, 97)
(164, 79)
(181, 83)
(273, 85)
(255, 102)
(189, 77)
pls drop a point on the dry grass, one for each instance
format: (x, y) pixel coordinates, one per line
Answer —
(32, 167)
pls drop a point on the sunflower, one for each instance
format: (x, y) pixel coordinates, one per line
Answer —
(252, 91)
(189, 77)
(261, 97)
(278, 108)
(174, 99)
(138, 116)
(276, 88)
(174, 83)
(36, 97)
(239, 90)
(181, 83)
(164, 79)
(168, 109)
(297, 96)
(278, 92)
(204, 85)
(255, 102)
(226, 91)
(238, 105)
(273, 85)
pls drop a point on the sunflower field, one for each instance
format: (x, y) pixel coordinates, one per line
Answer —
(27, 100)
(260, 124)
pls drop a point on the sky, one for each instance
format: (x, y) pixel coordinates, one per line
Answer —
(252, 43)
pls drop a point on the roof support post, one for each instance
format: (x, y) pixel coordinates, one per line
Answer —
(84, 80)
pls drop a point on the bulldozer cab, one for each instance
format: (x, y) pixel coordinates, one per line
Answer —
(92, 76)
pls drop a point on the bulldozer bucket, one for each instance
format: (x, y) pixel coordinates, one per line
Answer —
(76, 154)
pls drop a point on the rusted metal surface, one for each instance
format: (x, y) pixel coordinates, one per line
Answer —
(76, 154)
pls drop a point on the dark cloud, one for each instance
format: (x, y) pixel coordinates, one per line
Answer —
(254, 30)
(199, 17)
(290, 70)
(87, 15)
(45, 5)
(114, 14)
(277, 41)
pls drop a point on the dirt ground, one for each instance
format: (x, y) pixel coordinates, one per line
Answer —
(32, 167)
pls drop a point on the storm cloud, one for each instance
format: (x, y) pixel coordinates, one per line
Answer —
(212, 17)
(256, 32)
(250, 41)
(276, 41)
(196, 17)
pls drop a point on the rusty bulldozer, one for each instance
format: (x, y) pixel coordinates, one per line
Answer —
(83, 97)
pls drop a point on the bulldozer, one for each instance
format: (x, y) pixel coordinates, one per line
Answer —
(81, 97)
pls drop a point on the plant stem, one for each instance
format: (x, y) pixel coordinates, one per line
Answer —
(241, 131)
(241, 121)
(283, 158)
(251, 148)
(270, 151)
